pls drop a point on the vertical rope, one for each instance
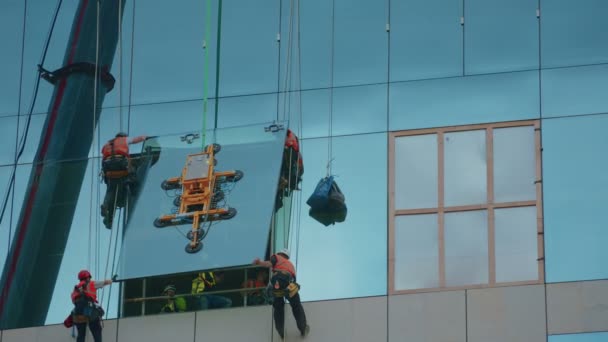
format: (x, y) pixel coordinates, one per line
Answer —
(217, 68)
(331, 90)
(300, 130)
(206, 71)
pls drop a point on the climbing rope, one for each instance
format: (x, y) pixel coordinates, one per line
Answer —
(206, 71)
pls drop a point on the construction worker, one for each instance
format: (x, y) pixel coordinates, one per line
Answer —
(292, 169)
(283, 286)
(173, 304)
(86, 307)
(117, 171)
(206, 281)
(261, 280)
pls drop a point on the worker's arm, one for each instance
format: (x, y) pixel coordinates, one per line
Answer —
(138, 139)
(265, 263)
(101, 283)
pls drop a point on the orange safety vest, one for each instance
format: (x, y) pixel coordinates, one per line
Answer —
(283, 264)
(292, 141)
(117, 146)
(90, 292)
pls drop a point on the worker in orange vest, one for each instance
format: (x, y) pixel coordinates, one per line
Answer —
(284, 286)
(86, 307)
(117, 169)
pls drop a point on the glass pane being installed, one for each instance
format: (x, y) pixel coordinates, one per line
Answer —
(234, 217)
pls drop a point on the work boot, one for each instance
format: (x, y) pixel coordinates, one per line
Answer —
(306, 331)
(107, 222)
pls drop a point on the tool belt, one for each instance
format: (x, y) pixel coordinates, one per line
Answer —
(86, 311)
(282, 284)
(115, 167)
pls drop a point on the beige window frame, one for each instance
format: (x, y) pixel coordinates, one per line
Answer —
(489, 205)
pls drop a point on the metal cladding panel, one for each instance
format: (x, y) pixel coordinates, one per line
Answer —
(150, 251)
(577, 307)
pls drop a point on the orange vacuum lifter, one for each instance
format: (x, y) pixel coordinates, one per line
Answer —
(200, 193)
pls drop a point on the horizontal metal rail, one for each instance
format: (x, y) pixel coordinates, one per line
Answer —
(143, 299)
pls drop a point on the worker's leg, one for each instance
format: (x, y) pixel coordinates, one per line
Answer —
(82, 331)
(203, 303)
(298, 312)
(109, 202)
(216, 302)
(95, 327)
(279, 315)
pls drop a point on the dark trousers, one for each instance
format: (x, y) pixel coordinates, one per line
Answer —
(296, 308)
(94, 326)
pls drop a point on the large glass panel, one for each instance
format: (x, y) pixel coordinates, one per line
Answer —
(249, 50)
(12, 14)
(89, 246)
(514, 164)
(180, 69)
(38, 21)
(464, 100)
(6, 224)
(358, 244)
(316, 41)
(359, 110)
(416, 172)
(416, 252)
(572, 91)
(247, 110)
(33, 136)
(586, 337)
(466, 248)
(233, 239)
(500, 35)
(573, 32)
(8, 132)
(516, 244)
(465, 169)
(360, 42)
(169, 118)
(426, 39)
(314, 106)
(574, 183)
(121, 65)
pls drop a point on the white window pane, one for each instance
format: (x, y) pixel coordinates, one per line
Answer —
(416, 252)
(466, 248)
(514, 164)
(416, 172)
(465, 168)
(516, 244)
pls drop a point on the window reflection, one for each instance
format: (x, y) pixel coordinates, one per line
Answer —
(315, 42)
(426, 39)
(169, 118)
(489, 47)
(8, 132)
(464, 100)
(11, 35)
(6, 224)
(360, 164)
(358, 21)
(359, 109)
(247, 110)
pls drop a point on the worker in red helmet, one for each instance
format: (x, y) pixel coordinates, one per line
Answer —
(283, 286)
(86, 307)
(117, 169)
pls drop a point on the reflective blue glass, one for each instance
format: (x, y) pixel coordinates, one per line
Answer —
(111, 121)
(358, 244)
(571, 91)
(573, 32)
(500, 35)
(315, 44)
(153, 249)
(247, 110)
(426, 39)
(121, 65)
(33, 136)
(11, 35)
(249, 48)
(588, 337)
(88, 245)
(574, 207)
(315, 106)
(39, 15)
(168, 56)
(169, 118)
(359, 110)
(8, 133)
(6, 224)
(360, 42)
(464, 100)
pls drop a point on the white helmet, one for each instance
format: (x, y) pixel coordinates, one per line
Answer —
(285, 251)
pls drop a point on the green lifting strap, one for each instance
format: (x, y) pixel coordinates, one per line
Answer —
(206, 72)
(217, 66)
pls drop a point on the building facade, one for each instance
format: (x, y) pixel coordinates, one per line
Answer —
(467, 136)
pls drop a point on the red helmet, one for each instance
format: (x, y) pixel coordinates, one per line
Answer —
(83, 275)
